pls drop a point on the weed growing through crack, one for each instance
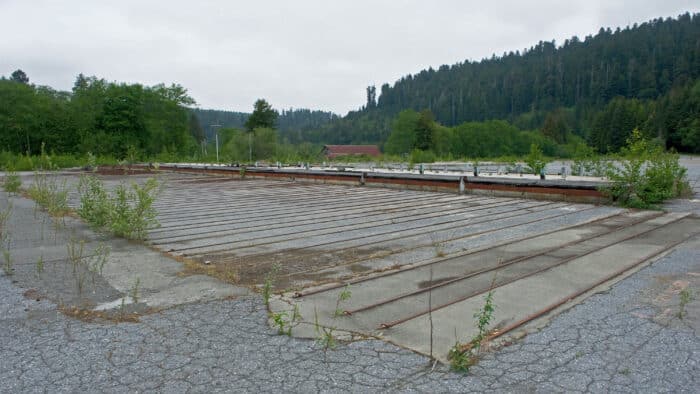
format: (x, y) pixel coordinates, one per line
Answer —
(279, 319)
(7, 265)
(463, 356)
(49, 193)
(324, 335)
(40, 265)
(343, 296)
(12, 182)
(685, 297)
(5, 241)
(99, 258)
(76, 250)
(269, 283)
(286, 321)
(134, 292)
(83, 265)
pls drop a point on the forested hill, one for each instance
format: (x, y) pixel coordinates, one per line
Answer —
(290, 123)
(575, 80)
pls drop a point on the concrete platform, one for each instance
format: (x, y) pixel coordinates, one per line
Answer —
(408, 256)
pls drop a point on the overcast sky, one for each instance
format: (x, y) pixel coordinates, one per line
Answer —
(303, 54)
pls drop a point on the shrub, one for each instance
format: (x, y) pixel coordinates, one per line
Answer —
(535, 159)
(95, 205)
(48, 193)
(127, 213)
(647, 175)
(132, 213)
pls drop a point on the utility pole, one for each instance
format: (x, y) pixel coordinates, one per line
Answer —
(250, 147)
(216, 136)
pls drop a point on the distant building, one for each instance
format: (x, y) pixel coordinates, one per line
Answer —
(332, 151)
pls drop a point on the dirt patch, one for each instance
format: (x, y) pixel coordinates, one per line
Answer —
(223, 272)
(90, 316)
(293, 266)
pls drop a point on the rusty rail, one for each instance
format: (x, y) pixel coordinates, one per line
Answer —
(563, 261)
(500, 265)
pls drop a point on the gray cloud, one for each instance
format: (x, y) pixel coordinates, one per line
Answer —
(307, 53)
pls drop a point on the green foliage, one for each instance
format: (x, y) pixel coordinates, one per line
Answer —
(285, 321)
(649, 70)
(588, 162)
(269, 284)
(134, 292)
(132, 213)
(95, 206)
(403, 137)
(12, 182)
(324, 335)
(685, 297)
(647, 175)
(463, 356)
(5, 240)
(424, 130)
(128, 212)
(419, 156)
(343, 296)
(535, 159)
(97, 116)
(49, 193)
(263, 116)
(280, 320)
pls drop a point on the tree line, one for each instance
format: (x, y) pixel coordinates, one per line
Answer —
(598, 88)
(104, 118)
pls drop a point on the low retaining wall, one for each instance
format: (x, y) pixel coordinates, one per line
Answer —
(560, 190)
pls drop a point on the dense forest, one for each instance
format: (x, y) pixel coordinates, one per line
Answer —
(598, 88)
(105, 118)
(582, 94)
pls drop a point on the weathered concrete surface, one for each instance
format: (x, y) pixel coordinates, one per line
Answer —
(66, 278)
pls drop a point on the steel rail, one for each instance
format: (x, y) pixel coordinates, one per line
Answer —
(395, 217)
(501, 265)
(300, 294)
(290, 211)
(364, 225)
(386, 206)
(529, 274)
(450, 222)
(579, 293)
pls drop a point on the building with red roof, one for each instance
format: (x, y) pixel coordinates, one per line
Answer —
(333, 151)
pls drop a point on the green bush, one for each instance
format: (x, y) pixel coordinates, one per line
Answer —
(535, 160)
(128, 212)
(132, 213)
(48, 193)
(95, 205)
(647, 175)
(422, 156)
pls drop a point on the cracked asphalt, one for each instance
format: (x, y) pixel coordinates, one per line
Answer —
(622, 340)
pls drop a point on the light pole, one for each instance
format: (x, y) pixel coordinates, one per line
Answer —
(216, 136)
